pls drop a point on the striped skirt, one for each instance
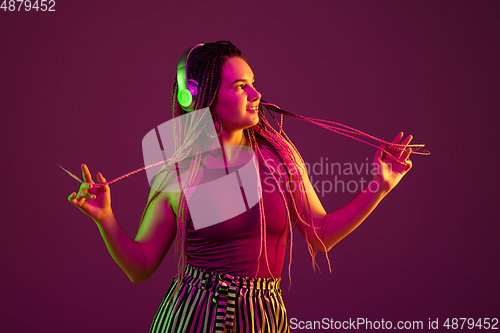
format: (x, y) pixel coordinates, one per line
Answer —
(212, 302)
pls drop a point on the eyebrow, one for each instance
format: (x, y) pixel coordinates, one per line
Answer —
(241, 80)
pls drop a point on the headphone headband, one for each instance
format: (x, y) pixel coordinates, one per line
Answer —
(187, 89)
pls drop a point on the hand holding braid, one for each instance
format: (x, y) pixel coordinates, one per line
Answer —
(94, 201)
(389, 170)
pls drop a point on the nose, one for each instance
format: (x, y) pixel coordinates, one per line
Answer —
(254, 95)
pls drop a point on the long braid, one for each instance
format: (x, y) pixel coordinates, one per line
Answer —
(253, 145)
(263, 227)
(262, 153)
(339, 130)
(287, 146)
(205, 66)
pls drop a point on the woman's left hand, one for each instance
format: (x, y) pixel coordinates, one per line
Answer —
(387, 172)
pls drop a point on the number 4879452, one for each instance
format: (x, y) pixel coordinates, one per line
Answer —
(28, 5)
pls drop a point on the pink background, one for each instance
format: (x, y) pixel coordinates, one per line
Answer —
(85, 83)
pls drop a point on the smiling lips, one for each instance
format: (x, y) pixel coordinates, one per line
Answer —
(253, 109)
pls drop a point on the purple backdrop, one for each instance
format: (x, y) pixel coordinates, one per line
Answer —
(85, 83)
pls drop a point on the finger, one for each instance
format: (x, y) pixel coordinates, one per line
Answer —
(396, 140)
(386, 158)
(73, 199)
(406, 154)
(408, 139)
(91, 189)
(88, 196)
(102, 180)
(409, 164)
(405, 143)
(87, 177)
(80, 195)
(85, 186)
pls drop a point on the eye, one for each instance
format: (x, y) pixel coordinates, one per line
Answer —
(242, 86)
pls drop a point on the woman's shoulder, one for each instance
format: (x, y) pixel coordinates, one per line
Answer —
(170, 183)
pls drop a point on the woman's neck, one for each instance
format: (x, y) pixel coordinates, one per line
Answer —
(235, 138)
(235, 150)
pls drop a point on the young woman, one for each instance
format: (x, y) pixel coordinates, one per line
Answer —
(229, 272)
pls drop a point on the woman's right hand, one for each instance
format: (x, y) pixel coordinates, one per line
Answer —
(94, 201)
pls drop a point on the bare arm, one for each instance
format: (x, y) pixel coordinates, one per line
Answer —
(333, 227)
(138, 258)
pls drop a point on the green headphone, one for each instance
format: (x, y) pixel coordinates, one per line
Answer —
(187, 89)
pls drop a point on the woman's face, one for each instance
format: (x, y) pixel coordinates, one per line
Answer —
(236, 105)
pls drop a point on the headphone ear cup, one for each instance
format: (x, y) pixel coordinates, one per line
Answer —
(193, 88)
